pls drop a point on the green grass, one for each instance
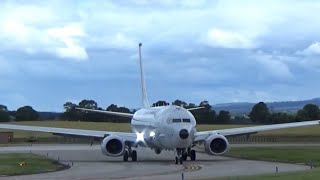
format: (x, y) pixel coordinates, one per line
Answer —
(313, 174)
(9, 164)
(125, 127)
(303, 155)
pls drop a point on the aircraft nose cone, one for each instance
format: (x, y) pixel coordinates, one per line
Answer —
(184, 134)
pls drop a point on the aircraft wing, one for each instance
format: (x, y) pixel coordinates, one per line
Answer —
(128, 115)
(202, 135)
(191, 109)
(72, 132)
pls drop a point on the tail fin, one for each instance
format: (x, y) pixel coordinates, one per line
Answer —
(145, 102)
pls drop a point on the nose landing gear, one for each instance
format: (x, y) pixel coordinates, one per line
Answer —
(182, 155)
(179, 157)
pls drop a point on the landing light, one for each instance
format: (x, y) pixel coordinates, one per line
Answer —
(152, 134)
(140, 136)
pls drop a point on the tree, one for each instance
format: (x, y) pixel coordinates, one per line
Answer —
(260, 113)
(205, 115)
(281, 117)
(112, 107)
(69, 106)
(26, 113)
(4, 114)
(115, 108)
(3, 108)
(70, 113)
(309, 112)
(206, 105)
(160, 103)
(223, 117)
(179, 103)
(88, 104)
(191, 105)
(90, 116)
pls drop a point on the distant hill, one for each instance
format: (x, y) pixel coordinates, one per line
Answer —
(245, 107)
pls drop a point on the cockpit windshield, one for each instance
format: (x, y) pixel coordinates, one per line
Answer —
(176, 120)
(186, 120)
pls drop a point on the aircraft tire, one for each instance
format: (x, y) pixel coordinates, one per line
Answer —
(134, 155)
(125, 156)
(177, 160)
(181, 160)
(193, 155)
(185, 156)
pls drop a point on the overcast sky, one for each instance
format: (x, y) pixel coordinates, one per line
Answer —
(221, 51)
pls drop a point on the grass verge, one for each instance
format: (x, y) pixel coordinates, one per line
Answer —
(304, 155)
(297, 155)
(9, 164)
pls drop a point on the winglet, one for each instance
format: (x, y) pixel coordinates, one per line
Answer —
(145, 102)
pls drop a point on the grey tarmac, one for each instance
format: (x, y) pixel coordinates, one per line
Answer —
(88, 163)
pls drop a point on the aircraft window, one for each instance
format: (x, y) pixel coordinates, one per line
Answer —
(186, 120)
(176, 120)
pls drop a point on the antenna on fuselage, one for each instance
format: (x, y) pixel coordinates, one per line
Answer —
(145, 102)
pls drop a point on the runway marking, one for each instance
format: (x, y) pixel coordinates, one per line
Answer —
(191, 167)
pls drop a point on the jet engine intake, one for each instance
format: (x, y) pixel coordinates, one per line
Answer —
(112, 146)
(216, 145)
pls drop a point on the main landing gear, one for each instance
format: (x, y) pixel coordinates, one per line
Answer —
(130, 153)
(182, 155)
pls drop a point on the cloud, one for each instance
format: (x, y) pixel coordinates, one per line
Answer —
(66, 37)
(61, 41)
(190, 46)
(5, 67)
(273, 66)
(228, 39)
(312, 49)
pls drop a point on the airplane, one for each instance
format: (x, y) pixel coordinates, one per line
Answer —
(160, 128)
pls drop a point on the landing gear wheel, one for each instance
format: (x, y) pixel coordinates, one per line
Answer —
(176, 160)
(184, 156)
(193, 155)
(125, 155)
(134, 155)
(181, 160)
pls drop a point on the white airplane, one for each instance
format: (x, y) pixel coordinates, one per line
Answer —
(160, 128)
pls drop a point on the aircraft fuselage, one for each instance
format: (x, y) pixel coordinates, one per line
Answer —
(165, 127)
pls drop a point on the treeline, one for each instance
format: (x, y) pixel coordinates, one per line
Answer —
(71, 114)
(261, 114)
(204, 116)
(25, 113)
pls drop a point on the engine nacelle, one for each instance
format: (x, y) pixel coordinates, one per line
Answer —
(216, 144)
(112, 146)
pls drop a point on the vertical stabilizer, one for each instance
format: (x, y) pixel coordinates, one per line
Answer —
(145, 102)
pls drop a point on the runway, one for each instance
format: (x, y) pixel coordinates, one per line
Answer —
(88, 163)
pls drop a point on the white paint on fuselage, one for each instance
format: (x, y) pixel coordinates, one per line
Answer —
(166, 133)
